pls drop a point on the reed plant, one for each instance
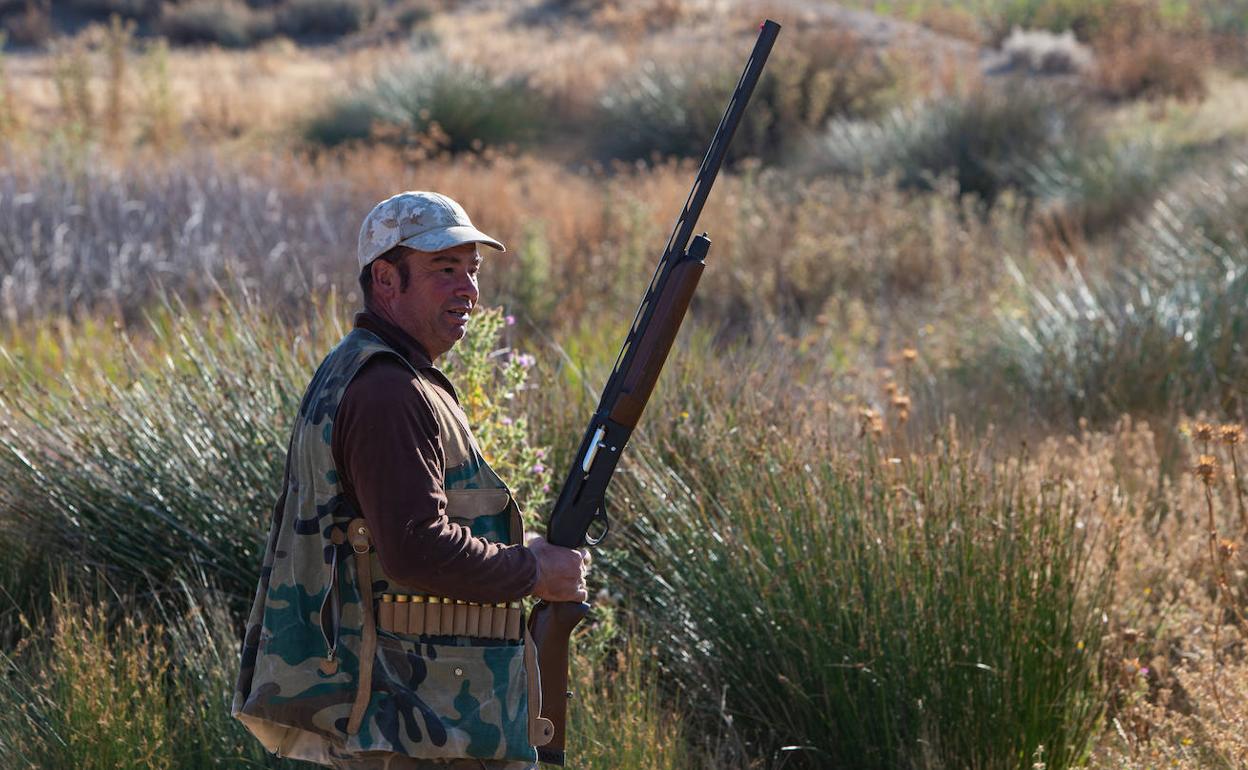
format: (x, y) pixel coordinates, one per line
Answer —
(856, 609)
(148, 463)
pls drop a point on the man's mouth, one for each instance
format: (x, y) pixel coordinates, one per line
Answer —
(460, 314)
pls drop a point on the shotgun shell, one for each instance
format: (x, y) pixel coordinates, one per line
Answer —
(433, 616)
(460, 625)
(385, 613)
(416, 618)
(485, 625)
(499, 629)
(398, 621)
(473, 626)
(513, 620)
(448, 615)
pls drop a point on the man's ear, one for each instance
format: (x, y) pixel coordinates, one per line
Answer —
(383, 273)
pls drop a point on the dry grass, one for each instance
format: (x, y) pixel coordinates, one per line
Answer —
(1178, 701)
(247, 97)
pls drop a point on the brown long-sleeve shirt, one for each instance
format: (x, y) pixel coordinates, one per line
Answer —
(390, 460)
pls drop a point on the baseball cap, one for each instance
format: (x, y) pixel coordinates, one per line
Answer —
(425, 221)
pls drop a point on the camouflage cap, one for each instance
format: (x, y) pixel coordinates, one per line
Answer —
(425, 221)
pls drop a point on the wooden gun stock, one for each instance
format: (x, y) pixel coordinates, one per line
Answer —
(550, 626)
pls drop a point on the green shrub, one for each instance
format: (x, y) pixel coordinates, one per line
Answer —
(1160, 330)
(989, 140)
(673, 109)
(324, 18)
(438, 105)
(873, 613)
(350, 118)
(1097, 188)
(227, 23)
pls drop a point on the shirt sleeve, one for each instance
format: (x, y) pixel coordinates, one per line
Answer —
(387, 449)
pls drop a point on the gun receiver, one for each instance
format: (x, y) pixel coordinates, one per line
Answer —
(581, 501)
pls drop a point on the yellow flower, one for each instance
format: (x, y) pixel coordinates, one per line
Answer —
(909, 354)
(1231, 434)
(1203, 431)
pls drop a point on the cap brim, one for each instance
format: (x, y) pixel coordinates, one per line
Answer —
(449, 237)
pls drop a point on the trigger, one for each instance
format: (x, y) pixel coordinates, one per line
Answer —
(600, 517)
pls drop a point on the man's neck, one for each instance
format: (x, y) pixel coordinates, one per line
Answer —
(381, 322)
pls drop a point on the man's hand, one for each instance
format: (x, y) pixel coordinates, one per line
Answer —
(560, 571)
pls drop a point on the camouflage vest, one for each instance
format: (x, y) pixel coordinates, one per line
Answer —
(312, 630)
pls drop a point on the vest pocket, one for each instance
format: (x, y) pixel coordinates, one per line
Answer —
(443, 701)
(489, 513)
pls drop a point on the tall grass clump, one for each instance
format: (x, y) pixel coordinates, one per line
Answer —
(1161, 330)
(167, 455)
(111, 681)
(168, 450)
(432, 103)
(672, 108)
(869, 611)
(1098, 187)
(987, 140)
(619, 716)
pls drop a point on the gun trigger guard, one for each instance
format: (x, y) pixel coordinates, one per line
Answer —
(600, 515)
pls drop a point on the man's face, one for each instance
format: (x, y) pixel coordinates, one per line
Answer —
(440, 295)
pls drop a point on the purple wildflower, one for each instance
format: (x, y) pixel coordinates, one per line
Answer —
(511, 320)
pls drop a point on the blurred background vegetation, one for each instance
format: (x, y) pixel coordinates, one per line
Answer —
(945, 471)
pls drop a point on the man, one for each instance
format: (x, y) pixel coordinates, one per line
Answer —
(386, 629)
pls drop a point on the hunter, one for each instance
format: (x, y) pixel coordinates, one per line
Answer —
(387, 629)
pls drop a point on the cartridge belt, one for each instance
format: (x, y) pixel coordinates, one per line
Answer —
(422, 615)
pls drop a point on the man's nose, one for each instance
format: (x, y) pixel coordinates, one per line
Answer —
(467, 289)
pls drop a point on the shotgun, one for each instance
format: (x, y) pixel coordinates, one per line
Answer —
(581, 501)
